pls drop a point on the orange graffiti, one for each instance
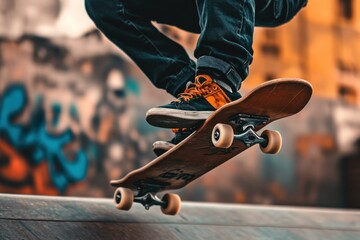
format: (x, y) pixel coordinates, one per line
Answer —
(17, 168)
(18, 176)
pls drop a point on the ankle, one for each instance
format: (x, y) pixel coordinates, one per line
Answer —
(218, 77)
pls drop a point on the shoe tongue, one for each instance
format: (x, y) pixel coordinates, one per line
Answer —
(199, 79)
(188, 83)
(204, 78)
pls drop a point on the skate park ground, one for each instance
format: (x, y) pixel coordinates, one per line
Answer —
(39, 217)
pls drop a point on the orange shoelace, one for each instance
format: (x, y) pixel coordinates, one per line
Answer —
(197, 89)
(176, 130)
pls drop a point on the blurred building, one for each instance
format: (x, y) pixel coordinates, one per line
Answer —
(322, 45)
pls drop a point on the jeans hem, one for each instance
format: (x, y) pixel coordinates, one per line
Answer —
(228, 70)
(180, 80)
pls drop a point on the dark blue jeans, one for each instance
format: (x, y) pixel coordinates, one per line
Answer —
(225, 26)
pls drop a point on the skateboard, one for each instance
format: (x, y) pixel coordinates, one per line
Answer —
(229, 131)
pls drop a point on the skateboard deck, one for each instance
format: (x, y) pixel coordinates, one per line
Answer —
(199, 153)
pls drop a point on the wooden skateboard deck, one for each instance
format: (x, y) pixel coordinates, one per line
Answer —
(197, 155)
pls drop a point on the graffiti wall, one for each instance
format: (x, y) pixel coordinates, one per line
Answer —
(67, 119)
(72, 110)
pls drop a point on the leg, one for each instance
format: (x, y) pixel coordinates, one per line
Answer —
(225, 43)
(128, 25)
(224, 53)
(225, 46)
(272, 13)
(227, 27)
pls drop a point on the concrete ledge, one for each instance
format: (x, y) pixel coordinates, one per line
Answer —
(38, 217)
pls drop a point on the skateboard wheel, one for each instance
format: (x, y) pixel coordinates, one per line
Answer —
(222, 135)
(123, 198)
(173, 204)
(274, 142)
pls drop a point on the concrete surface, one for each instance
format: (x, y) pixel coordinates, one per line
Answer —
(38, 217)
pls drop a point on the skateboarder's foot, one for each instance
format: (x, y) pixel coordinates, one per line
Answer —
(199, 100)
(160, 147)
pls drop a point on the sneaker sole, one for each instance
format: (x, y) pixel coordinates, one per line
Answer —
(175, 118)
(161, 147)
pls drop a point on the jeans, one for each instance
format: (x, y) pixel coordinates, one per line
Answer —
(225, 26)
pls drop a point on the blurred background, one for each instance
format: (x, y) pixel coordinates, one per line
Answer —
(72, 108)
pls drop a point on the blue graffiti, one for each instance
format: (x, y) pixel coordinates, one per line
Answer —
(132, 86)
(36, 142)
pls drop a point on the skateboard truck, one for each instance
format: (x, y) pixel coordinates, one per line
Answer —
(223, 134)
(170, 203)
(149, 199)
(249, 137)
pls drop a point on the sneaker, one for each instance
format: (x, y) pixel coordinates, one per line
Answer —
(160, 147)
(194, 105)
